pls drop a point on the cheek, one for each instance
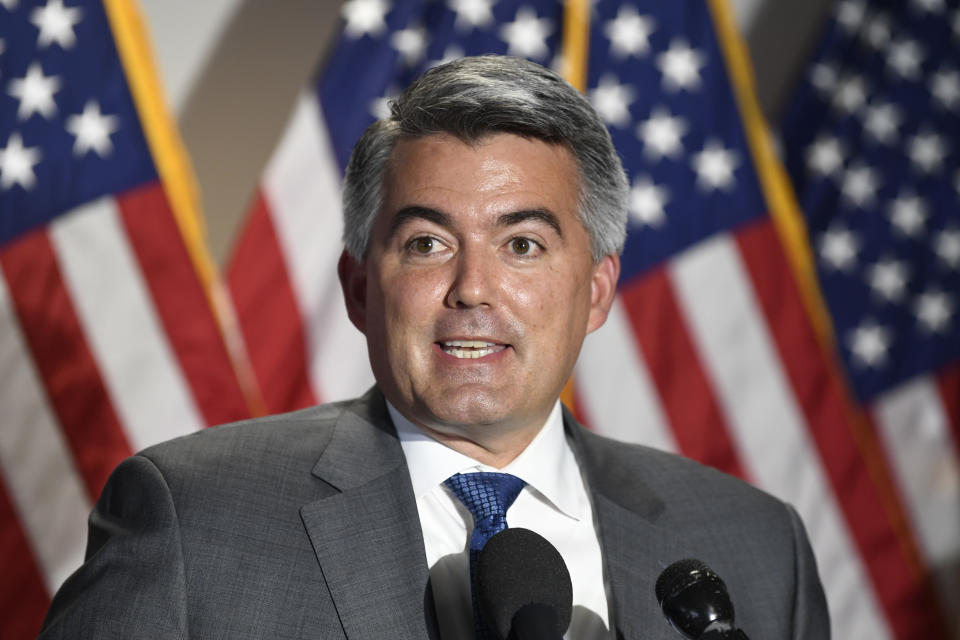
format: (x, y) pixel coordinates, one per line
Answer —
(524, 294)
(410, 301)
(548, 293)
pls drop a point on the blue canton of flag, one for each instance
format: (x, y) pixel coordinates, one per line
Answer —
(68, 128)
(871, 145)
(385, 45)
(660, 86)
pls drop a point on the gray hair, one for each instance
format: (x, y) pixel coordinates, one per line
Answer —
(472, 98)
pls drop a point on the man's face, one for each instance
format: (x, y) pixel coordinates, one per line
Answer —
(478, 286)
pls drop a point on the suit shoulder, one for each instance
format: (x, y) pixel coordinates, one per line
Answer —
(665, 473)
(293, 435)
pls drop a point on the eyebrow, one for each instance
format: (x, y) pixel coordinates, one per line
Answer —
(415, 212)
(407, 214)
(542, 215)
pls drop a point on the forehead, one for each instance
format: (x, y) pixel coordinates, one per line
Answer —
(492, 174)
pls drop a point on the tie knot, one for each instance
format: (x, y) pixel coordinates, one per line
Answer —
(488, 496)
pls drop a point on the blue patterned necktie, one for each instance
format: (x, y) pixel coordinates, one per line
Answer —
(487, 496)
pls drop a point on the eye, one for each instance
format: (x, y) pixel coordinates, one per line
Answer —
(424, 245)
(521, 246)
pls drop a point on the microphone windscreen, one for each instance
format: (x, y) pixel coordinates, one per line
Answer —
(694, 598)
(519, 569)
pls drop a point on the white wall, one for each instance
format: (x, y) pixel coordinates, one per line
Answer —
(185, 34)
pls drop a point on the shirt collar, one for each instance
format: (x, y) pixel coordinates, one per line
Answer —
(547, 465)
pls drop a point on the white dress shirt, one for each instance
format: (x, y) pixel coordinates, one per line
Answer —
(555, 503)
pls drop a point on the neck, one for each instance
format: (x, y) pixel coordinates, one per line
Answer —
(495, 444)
(496, 452)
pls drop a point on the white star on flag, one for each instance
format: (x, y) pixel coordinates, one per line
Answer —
(472, 14)
(527, 35)
(364, 17)
(629, 33)
(851, 94)
(92, 130)
(411, 43)
(877, 32)
(945, 88)
(927, 151)
(838, 248)
(825, 156)
(647, 201)
(680, 66)
(947, 247)
(881, 122)
(888, 279)
(908, 214)
(905, 57)
(715, 166)
(17, 162)
(869, 344)
(35, 92)
(612, 100)
(56, 24)
(934, 309)
(850, 14)
(661, 134)
(451, 53)
(9, 5)
(824, 77)
(860, 184)
(928, 6)
(380, 108)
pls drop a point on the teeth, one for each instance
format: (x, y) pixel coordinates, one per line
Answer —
(475, 344)
(470, 349)
(473, 353)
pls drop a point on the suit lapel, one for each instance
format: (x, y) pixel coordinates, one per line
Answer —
(636, 546)
(635, 551)
(367, 535)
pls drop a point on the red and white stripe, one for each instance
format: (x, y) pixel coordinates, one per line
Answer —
(47, 494)
(915, 428)
(118, 319)
(93, 370)
(711, 356)
(765, 421)
(298, 217)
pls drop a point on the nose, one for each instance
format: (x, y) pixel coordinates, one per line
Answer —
(476, 279)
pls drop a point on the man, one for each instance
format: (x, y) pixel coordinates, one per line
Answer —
(483, 222)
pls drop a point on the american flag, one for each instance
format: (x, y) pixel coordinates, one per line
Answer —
(872, 143)
(716, 347)
(108, 341)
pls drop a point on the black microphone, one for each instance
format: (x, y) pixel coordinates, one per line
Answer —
(696, 603)
(523, 586)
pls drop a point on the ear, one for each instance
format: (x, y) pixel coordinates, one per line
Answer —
(353, 281)
(603, 288)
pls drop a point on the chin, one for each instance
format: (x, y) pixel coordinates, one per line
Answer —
(469, 408)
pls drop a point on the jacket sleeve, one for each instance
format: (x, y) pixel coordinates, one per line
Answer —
(132, 584)
(811, 620)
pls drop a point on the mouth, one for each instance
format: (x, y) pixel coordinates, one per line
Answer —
(470, 349)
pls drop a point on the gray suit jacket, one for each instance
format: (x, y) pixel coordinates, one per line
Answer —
(305, 526)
